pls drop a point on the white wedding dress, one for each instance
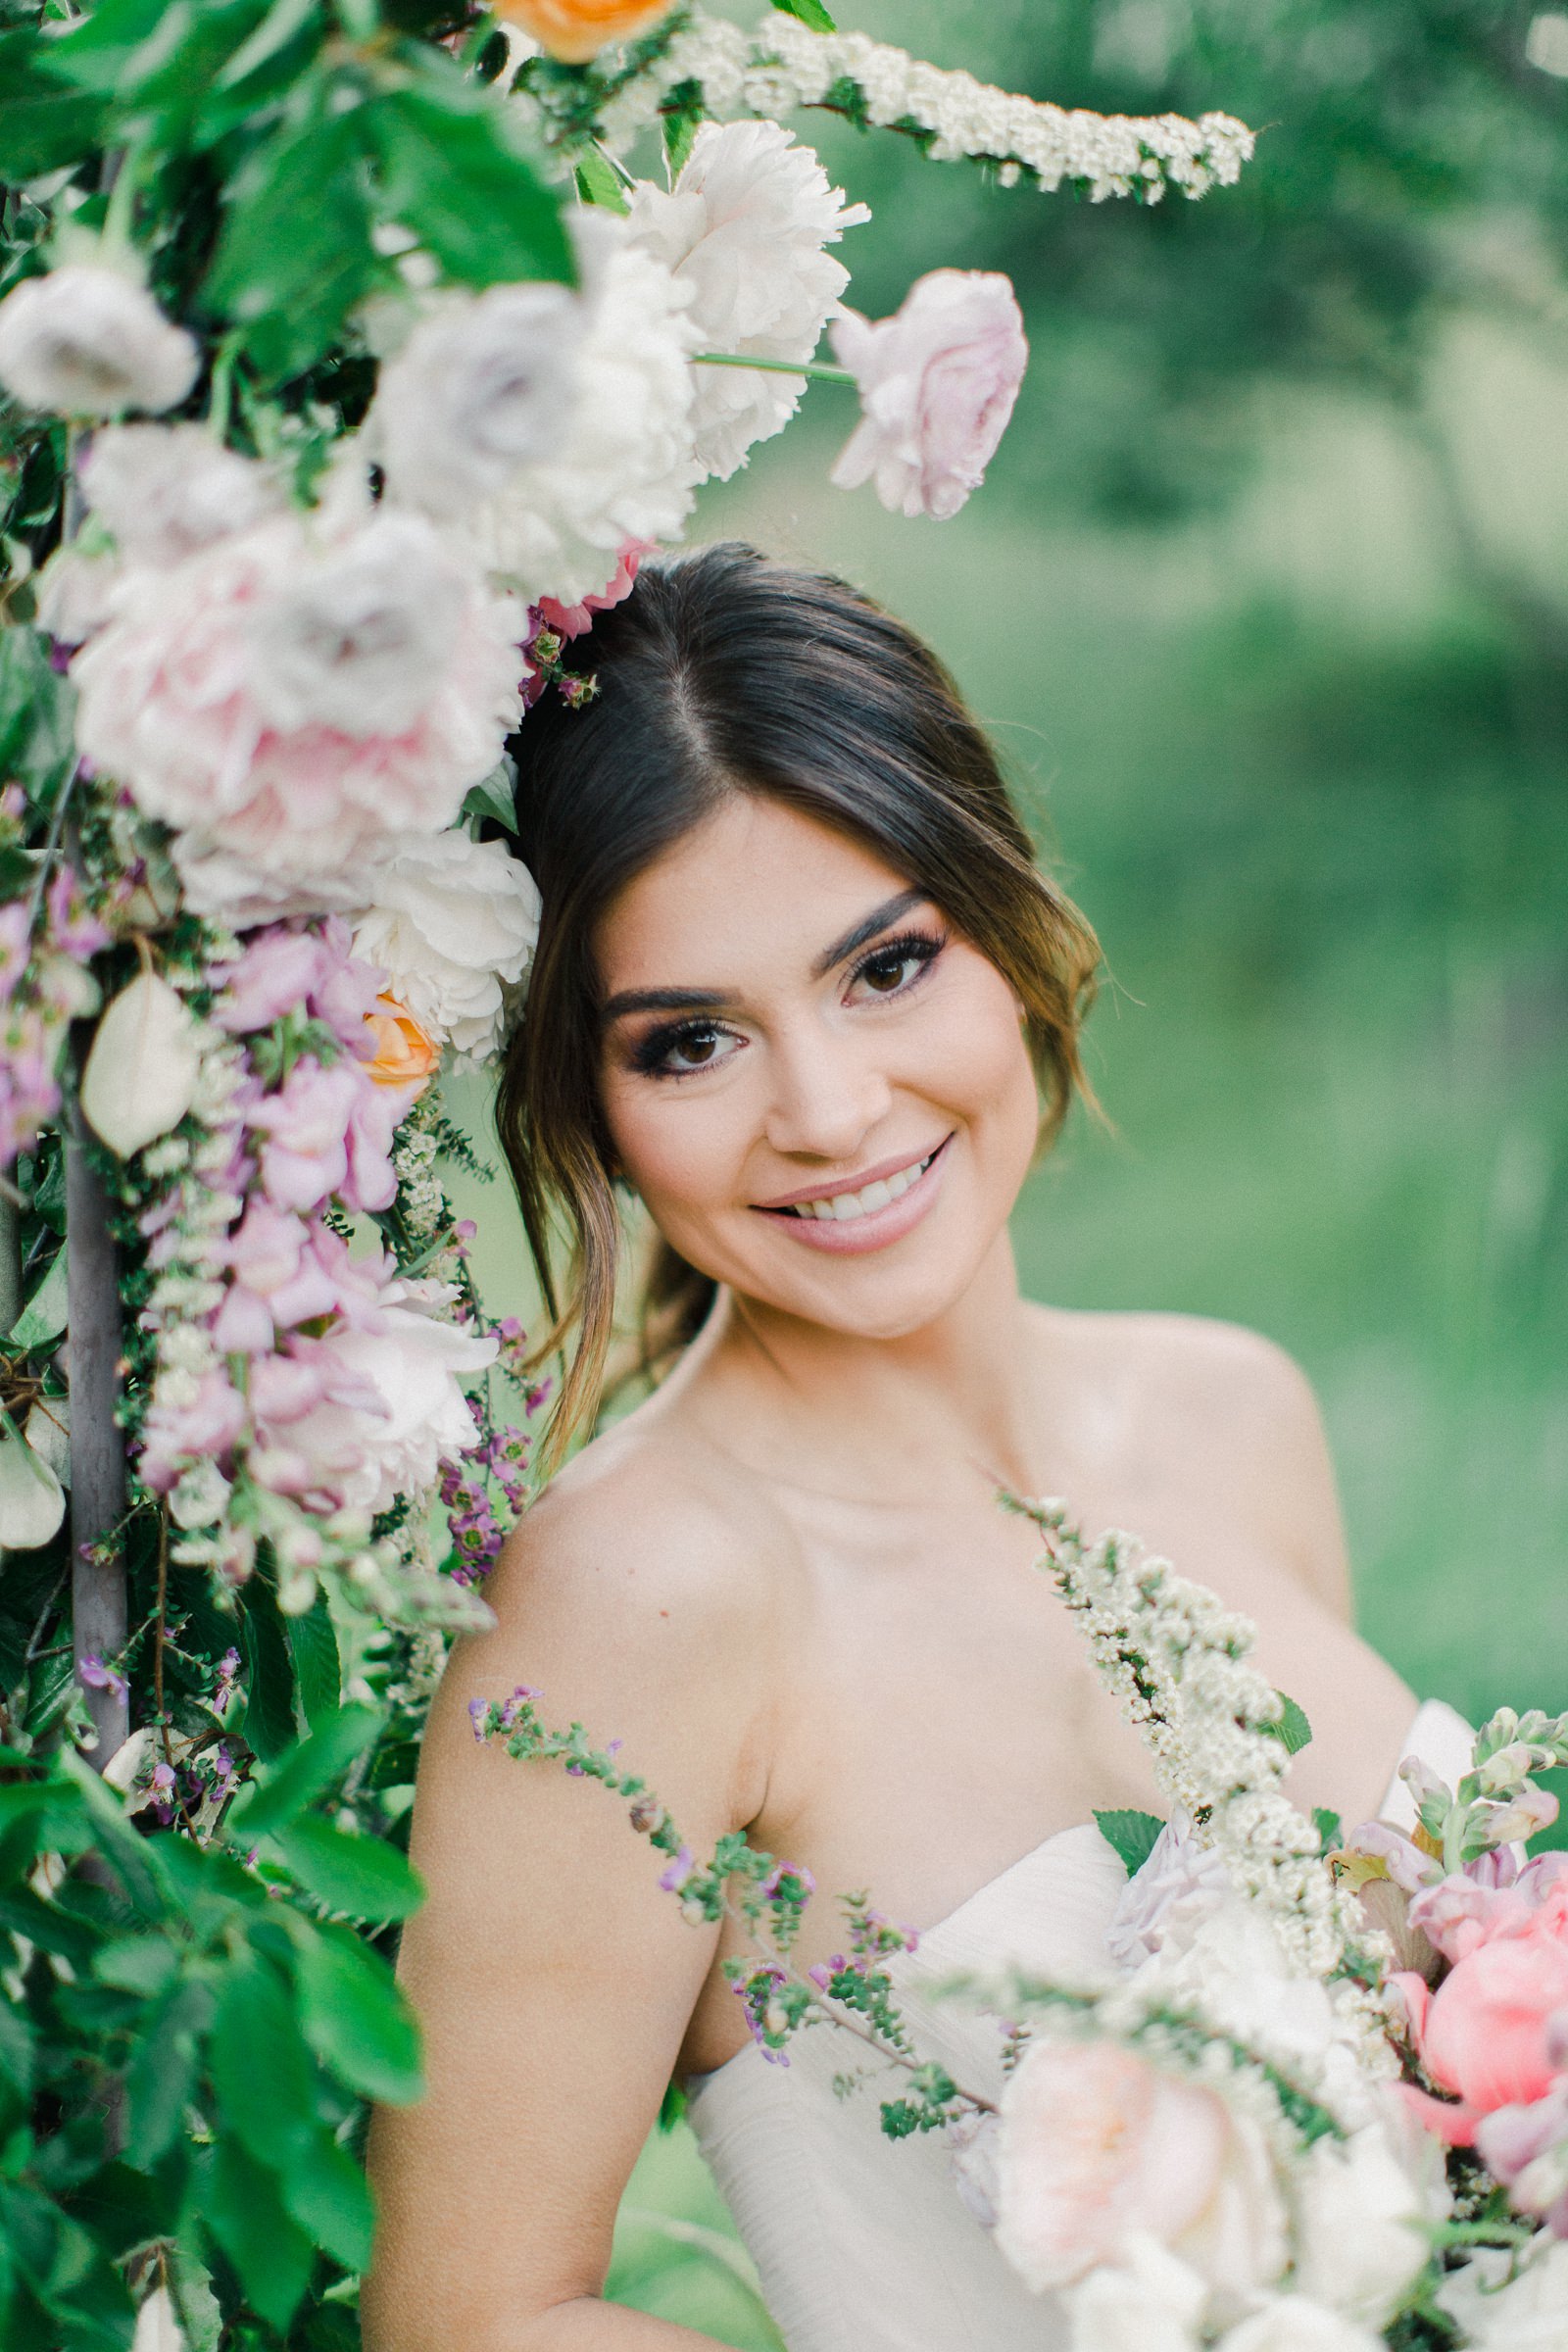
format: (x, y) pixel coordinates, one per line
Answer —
(864, 2246)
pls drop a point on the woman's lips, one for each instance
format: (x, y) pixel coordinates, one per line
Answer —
(852, 1236)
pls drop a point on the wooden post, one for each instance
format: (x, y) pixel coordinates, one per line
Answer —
(10, 1265)
(97, 1444)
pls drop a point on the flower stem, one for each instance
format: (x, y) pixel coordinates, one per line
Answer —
(818, 369)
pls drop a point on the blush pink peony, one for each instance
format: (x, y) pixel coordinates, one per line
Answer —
(1097, 2151)
(1490, 2034)
(292, 696)
(937, 383)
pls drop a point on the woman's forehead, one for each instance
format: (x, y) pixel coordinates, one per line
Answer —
(755, 886)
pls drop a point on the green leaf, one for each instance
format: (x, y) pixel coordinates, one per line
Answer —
(264, 2081)
(134, 1859)
(328, 2195)
(599, 182)
(44, 124)
(394, 1766)
(316, 1672)
(16, 2049)
(353, 2016)
(161, 2082)
(362, 1877)
(493, 796)
(241, 2205)
(1292, 1729)
(1330, 1827)
(43, 1318)
(453, 173)
(37, 740)
(144, 1964)
(295, 255)
(810, 13)
(304, 1771)
(269, 1720)
(277, 55)
(685, 112)
(1131, 1835)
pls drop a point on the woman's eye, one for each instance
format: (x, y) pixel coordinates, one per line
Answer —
(675, 1053)
(895, 967)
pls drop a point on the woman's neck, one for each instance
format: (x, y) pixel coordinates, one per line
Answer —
(875, 1416)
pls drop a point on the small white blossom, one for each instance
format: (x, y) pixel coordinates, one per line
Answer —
(90, 341)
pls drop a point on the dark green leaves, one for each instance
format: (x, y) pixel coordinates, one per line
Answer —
(362, 1877)
(240, 2205)
(1131, 1835)
(295, 255)
(44, 123)
(37, 748)
(306, 1772)
(355, 2019)
(313, 1645)
(452, 171)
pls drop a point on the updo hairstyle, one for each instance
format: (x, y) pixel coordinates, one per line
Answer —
(725, 671)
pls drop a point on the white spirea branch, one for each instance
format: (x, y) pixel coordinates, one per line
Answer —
(782, 65)
(1176, 1658)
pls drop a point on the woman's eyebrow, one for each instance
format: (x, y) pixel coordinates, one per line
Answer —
(877, 920)
(713, 1000)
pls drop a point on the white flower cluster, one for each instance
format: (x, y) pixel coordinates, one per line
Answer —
(1176, 1658)
(783, 65)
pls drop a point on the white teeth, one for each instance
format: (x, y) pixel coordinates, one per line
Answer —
(842, 1208)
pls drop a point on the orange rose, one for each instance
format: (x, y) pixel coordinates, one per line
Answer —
(404, 1054)
(575, 30)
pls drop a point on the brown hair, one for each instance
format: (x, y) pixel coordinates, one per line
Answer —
(725, 671)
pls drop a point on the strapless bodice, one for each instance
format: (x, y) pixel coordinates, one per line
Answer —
(866, 2246)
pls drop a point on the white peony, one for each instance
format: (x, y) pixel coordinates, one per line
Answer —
(1529, 2316)
(1150, 2302)
(484, 384)
(1293, 2324)
(744, 227)
(627, 468)
(294, 695)
(937, 382)
(90, 341)
(448, 921)
(1359, 2235)
(165, 490)
(412, 1363)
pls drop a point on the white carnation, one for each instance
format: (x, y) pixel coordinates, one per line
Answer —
(165, 490)
(412, 1361)
(625, 468)
(450, 920)
(484, 384)
(90, 341)
(744, 227)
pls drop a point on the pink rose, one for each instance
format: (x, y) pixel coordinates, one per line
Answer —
(1098, 2150)
(1491, 2032)
(937, 384)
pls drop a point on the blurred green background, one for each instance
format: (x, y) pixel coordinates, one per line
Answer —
(1266, 598)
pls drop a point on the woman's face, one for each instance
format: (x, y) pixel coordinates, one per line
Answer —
(823, 1094)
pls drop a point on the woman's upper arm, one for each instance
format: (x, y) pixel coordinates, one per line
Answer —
(553, 1976)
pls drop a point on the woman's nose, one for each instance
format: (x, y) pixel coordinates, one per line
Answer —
(827, 1096)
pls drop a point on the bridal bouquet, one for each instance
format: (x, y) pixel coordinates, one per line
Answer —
(347, 368)
(1316, 2099)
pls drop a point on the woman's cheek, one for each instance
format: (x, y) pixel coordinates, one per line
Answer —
(679, 1156)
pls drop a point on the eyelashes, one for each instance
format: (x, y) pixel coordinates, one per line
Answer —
(889, 971)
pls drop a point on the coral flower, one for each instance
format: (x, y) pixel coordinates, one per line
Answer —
(1488, 2034)
(405, 1054)
(575, 30)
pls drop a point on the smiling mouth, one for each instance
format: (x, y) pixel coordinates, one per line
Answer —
(843, 1208)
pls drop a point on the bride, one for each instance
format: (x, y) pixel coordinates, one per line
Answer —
(801, 991)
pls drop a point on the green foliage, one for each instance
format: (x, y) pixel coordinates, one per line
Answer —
(810, 13)
(183, 2056)
(1293, 1731)
(1129, 1835)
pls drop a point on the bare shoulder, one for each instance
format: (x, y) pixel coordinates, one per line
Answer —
(1199, 1396)
(645, 1595)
